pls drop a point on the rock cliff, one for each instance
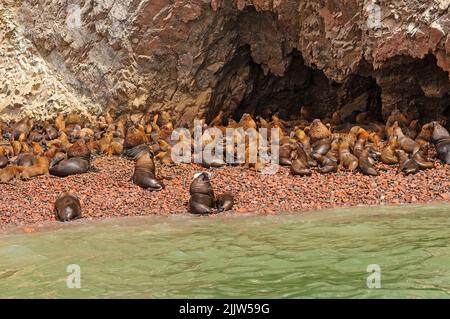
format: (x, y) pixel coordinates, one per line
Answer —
(195, 57)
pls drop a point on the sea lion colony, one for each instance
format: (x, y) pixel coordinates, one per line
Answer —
(67, 145)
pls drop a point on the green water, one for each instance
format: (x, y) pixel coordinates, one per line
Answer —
(323, 254)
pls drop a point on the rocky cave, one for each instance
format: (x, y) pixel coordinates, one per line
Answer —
(196, 58)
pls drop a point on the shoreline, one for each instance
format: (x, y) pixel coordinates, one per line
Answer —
(107, 192)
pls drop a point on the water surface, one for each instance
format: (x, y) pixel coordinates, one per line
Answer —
(318, 254)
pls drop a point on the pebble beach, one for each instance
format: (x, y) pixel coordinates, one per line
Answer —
(107, 192)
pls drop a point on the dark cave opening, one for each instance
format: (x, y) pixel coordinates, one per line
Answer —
(301, 93)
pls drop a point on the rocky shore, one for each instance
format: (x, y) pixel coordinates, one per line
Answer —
(106, 191)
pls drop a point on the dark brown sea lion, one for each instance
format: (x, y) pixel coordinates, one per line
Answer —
(3, 161)
(224, 202)
(406, 165)
(50, 131)
(72, 166)
(425, 134)
(421, 157)
(202, 199)
(67, 207)
(321, 147)
(366, 164)
(145, 174)
(441, 139)
(300, 165)
(287, 152)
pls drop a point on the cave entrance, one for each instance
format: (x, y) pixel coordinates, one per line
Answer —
(302, 92)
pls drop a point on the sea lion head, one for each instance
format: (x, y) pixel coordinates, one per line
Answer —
(201, 184)
(67, 207)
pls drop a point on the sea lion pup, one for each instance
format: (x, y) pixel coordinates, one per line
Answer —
(406, 165)
(347, 159)
(441, 139)
(321, 147)
(362, 137)
(421, 157)
(67, 207)
(300, 165)
(145, 174)
(202, 200)
(3, 161)
(407, 144)
(366, 164)
(388, 155)
(224, 202)
(395, 116)
(40, 167)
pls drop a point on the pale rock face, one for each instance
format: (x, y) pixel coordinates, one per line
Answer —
(196, 57)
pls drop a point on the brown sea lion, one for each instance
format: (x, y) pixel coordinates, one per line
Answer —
(388, 155)
(10, 172)
(425, 134)
(71, 166)
(224, 202)
(202, 200)
(67, 207)
(406, 165)
(421, 157)
(25, 159)
(317, 131)
(407, 144)
(4, 161)
(347, 159)
(145, 174)
(247, 122)
(50, 131)
(441, 139)
(287, 152)
(79, 149)
(40, 167)
(366, 164)
(300, 164)
(321, 147)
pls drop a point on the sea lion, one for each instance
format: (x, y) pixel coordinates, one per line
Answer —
(406, 165)
(67, 207)
(317, 131)
(300, 165)
(347, 159)
(3, 161)
(388, 153)
(407, 144)
(40, 167)
(421, 157)
(79, 149)
(441, 139)
(25, 159)
(247, 122)
(366, 164)
(65, 167)
(10, 172)
(287, 152)
(145, 174)
(425, 134)
(202, 200)
(224, 202)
